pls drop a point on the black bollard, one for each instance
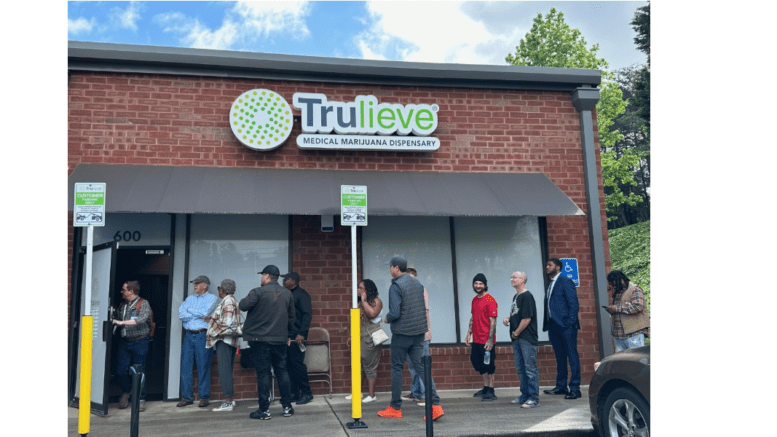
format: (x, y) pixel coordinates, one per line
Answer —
(427, 362)
(137, 375)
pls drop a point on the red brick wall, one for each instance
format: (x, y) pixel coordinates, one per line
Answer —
(138, 119)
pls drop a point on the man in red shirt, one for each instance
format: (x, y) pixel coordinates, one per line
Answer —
(482, 330)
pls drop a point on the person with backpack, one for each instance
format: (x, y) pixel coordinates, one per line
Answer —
(133, 320)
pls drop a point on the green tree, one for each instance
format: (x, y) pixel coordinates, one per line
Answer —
(552, 43)
(641, 24)
(637, 142)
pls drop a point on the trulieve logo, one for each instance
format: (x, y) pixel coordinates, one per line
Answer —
(364, 116)
(261, 119)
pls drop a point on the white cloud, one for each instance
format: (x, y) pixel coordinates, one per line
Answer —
(435, 32)
(81, 25)
(274, 17)
(195, 34)
(245, 22)
(127, 18)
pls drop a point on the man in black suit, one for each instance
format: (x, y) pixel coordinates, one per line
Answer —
(561, 322)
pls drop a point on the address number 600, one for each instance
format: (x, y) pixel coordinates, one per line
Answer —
(126, 236)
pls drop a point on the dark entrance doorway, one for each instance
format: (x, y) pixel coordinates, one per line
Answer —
(151, 267)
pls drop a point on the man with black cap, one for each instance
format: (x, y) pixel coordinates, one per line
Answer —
(269, 318)
(298, 371)
(407, 316)
(482, 329)
(192, 313)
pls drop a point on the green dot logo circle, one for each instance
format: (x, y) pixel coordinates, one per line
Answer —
(253, 112)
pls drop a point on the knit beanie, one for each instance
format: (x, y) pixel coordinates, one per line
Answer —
(480, 277)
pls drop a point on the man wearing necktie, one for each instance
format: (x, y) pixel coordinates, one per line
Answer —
(561, 323)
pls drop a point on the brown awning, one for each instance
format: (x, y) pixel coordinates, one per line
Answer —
(217, 190)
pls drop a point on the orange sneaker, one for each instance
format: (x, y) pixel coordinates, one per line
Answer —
(391, 413)
(437, 412)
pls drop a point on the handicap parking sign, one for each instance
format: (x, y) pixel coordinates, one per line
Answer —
(569, 269)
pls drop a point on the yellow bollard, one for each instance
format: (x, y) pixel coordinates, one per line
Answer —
(356, 366)
(85, 392)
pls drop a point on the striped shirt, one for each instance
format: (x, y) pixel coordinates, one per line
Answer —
(194, 309)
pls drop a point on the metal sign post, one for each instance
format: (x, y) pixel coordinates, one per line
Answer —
(353, 212)
(88, 211)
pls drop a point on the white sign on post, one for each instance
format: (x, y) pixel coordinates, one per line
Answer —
(353, 205)
(89, 204)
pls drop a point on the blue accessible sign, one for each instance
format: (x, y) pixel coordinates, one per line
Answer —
(569, 269)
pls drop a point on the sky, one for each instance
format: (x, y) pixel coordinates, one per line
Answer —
(439, 31)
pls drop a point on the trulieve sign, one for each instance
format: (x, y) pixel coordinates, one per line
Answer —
(363, 124)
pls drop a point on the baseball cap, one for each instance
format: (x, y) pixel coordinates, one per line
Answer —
(399, 262)
(201, 278)
(292, 275)
(271, 270)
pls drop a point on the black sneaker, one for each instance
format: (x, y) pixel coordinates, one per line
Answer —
(288, 411)
(489, 395)
(480, 393)
(261, 415)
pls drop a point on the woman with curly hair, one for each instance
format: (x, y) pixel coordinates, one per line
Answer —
(370, 307)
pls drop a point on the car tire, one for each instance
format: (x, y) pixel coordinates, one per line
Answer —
(625, 413)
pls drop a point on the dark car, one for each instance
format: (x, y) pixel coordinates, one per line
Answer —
(619, 394)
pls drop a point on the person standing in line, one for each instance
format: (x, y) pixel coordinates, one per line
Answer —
(269, 317)
(630, 319)
(562, 324)
(133, 345)
(298, 371)
(523, 333)
(482, 330)
(408, 325)
(222, 336)
(192, 313)
(417, 391)
(370, 307)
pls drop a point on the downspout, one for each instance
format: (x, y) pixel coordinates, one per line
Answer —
(584, 99)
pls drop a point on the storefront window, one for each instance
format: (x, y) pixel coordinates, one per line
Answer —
(425, 244)
(497, 247)
(494, 246)
(237, 247)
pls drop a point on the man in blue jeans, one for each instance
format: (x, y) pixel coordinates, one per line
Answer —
(523, 333)
(417, 391)
(132, 320)
(192, 313)
(408, 325)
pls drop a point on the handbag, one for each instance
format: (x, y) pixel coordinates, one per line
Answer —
(379, 337)
(238, 325)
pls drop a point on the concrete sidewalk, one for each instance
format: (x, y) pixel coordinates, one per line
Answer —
(464, 416)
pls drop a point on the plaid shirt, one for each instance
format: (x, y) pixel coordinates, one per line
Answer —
(634, 306)
(222, 321)
(130, 311)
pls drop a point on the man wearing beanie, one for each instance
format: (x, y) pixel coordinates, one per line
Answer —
(482, 330)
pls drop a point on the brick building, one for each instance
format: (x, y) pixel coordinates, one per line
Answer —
(498, 173)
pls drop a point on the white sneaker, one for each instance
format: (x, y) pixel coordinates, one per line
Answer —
(369, 399)
(225, 406)
(422, 404)
(349, 397)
